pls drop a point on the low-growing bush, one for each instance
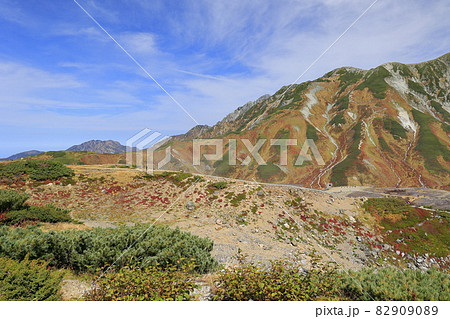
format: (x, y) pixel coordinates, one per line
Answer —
(219, 185)
(35, 169)
(28, 280)
(14, 211)
(394, 284)
(11, 200)
(46, 214)
(87, 250)
(152, 283)
(281, 281)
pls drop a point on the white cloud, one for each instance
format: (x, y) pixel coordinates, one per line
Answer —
(139, 43)
(16, 79)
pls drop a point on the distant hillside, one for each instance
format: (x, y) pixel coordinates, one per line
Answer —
(21, 155)
(97, 146)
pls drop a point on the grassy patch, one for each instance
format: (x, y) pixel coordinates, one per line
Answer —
(384, 146)
(311, 132)
(338, 119)
(375, 82)
(342, 103)
(429, 146)
(282, 134)
(417, 87)
(402, 69)
(393, 127)
(269, 171)
(223, 167)
(237, 199)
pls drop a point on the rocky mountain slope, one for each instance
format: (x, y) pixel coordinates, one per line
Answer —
(98, 146)
(388, 126)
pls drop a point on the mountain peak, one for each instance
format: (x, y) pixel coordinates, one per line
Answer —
(99, 146)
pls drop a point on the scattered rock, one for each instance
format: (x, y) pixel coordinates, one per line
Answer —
(190, 205)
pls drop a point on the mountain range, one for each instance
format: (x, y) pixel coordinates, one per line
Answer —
(96, 146)
(387, 126)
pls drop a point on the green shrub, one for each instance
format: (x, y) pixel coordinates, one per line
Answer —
(152, 283)
(28, 280)
(14, 211)
(35, 169)
(83, 250)
(220, 185)
(11, 200)
(46, 214)
(282, 281)
(393, 284)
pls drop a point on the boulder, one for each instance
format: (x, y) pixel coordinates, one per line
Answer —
(190, 205)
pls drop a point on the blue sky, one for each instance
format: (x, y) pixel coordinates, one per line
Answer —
(63, 81)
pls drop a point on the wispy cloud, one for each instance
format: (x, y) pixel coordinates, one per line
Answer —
(139, 42)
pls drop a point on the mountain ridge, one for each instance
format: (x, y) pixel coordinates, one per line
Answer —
(21, 155)
(99, 146)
